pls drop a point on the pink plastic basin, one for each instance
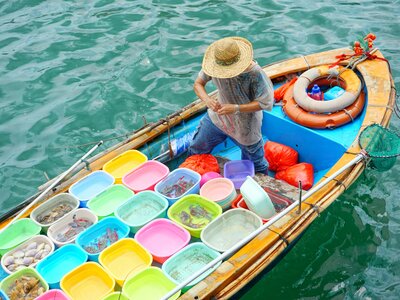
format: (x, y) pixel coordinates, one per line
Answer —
(146, 176)
(217, 189)
(162, 238)
(53, 295)
(208, 176)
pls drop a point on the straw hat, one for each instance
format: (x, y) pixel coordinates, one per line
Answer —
(227, 57)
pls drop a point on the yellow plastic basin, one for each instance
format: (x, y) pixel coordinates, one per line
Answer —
(88, 281)
(124, 163)
(124, 258)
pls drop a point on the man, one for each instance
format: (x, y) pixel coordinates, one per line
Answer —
(244, 90)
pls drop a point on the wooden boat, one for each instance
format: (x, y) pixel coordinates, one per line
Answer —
(327, 149)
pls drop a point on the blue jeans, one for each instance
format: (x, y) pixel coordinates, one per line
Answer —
(208, 136)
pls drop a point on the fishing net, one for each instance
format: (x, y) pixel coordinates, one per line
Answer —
(382, 146)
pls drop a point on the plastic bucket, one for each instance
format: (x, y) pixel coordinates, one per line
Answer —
(193, 213)
(50, 205)
(53, 295)
(90, 186)
(59, 263)
(62, 233)
(99, 236)
(173, 187)
(104, 204)
(88, 281)
(17, 233)
(146, 176)
(141, 209)
(149, 284)
(8, 282)
(230, 228)
(163, 238)
(188, 261)
(124, 258)
(124, 163)
(29, 247)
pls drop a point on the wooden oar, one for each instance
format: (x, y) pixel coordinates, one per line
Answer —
(59, 178)
(247, 239)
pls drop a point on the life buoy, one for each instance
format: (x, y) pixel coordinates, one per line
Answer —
(315, 120)
(351, 82)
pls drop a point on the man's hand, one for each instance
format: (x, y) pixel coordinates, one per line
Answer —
(226, 109)
(212, 104)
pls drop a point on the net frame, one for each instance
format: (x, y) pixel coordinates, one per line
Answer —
(379, 142)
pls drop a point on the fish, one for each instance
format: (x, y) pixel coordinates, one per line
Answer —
(199, 212)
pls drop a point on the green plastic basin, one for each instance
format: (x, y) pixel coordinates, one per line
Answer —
(104, 204)
(17, 233)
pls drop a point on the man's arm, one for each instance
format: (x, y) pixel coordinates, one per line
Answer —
(199, 89)
(231, 108)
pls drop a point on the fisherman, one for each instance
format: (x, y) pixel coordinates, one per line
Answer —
(244, 90)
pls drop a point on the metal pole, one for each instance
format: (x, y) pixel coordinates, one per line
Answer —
(59, 178)
(247, 239)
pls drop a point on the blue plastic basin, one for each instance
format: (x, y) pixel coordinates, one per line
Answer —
(90, 186)
(59, 263)
(92, 235)
(173, 178)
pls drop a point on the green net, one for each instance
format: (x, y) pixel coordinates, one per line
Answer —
(382, 146)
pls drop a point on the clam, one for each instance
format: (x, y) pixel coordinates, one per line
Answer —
(27, 261)
(44, 254)
(31, 246)
(31, 253)
(39, 254)
(18, 254)
(12, 267)
(41, 246)
(9, 260)
(47, 248)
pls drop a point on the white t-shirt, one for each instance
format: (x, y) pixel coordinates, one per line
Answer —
(252, 85)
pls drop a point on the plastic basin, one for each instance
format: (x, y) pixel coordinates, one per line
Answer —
(162, 238)
(88, 281)
(188, 261)
(116, 296)
(90, 186)
(257, 199)
(193, 213)
(230, 228)
(17, 233)
(141, 209)
(106, 202)
(124, 163)
(50, 205)
(208, 176)
(125, 258)
(220, 190)
(279, 202)
(149, 284)
(38, 239)
(59, 263)
(64, 232)
(173, 187)
(8, 282)
(53, 295)
(146, 176)
(238, 170)
(101, 235)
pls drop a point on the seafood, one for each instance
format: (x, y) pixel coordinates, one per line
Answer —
(73, 229)
(187, 220)
(26, 256)
(199, 212)
(54, 214)
(25, 287)
(102, 241)
(178, 188)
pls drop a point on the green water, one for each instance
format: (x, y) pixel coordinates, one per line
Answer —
(78, 71)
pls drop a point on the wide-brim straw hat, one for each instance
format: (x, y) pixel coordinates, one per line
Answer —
(227, 57)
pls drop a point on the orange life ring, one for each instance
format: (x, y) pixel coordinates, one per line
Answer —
(315, 120)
